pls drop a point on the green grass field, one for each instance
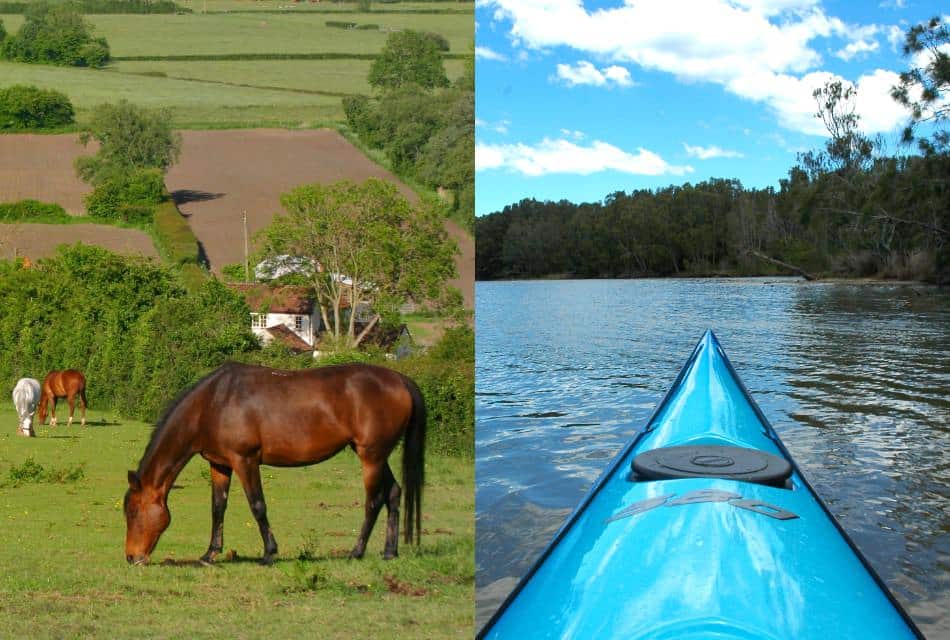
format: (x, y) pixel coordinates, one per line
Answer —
(289, 6)
(237, 93)
(194, 104)
(215, 34)
(65, 573)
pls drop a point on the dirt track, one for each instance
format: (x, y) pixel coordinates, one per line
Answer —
(41, 168)
(40, 240)
(222, 173)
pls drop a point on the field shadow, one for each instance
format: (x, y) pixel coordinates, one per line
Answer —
(184, 196)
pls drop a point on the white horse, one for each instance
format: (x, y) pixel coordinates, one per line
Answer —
(26, 395)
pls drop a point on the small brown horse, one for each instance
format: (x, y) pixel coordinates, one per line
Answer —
(240, 417)
(63, 384)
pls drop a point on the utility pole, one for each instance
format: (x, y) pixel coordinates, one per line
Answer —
(247, 268)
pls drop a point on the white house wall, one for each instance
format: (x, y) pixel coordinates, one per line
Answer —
(310, 326)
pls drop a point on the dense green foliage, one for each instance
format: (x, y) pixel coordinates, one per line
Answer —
(410, 58)
(56, 34)
(28, 107)
(173, 235)
(33, 211)
(889, 219)
(129, 137)
(3, 33)
(426, 135)
(136, 147)
(128, 195)
(125, 322)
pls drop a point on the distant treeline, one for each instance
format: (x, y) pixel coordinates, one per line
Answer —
(104, 6)
(887, 218)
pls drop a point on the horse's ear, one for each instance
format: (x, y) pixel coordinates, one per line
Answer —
(134, 483)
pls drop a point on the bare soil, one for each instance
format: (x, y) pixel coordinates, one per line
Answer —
(40, 240)
(221, 174)
(41, 168)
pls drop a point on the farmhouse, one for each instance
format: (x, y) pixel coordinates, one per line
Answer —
(287, 314)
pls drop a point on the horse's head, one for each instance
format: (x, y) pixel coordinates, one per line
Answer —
(146, 518)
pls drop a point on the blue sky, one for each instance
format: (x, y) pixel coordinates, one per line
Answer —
(578, 99)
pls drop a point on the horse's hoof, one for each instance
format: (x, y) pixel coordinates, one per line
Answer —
(390, 555)
(267, 561)
(208, 558)
(356, 554)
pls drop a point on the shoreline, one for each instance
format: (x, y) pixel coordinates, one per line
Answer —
(858, 280)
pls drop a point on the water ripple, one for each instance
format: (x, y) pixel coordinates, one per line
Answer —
(855, 378)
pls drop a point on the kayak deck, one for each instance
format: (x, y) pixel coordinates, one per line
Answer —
(701, 557)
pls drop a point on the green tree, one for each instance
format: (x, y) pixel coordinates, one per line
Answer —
(56, 34)
(3, 34)
(27, 107)
(129, 137)
(368, 245)
(923, 88)
(409, 58)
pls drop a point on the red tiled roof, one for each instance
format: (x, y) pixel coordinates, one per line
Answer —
(292, 340)
(260, 297)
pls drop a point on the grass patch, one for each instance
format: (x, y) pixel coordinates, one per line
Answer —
(173, 235)
(31, 471)
(34, 211)
(65, 573)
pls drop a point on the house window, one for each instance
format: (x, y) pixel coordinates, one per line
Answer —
(298, 323)
(258, 320)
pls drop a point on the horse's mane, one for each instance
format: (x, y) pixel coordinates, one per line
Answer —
(170, 409)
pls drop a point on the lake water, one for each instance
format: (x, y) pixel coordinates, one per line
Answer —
(854, 377)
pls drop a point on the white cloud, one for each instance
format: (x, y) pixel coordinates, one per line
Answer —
(484, 53)
(706, 153)
(585, 73)
(862, 42)
(562, 156)
(895, 37)
(577, 135)
(498, 127)
(619, 75)
(759, 50)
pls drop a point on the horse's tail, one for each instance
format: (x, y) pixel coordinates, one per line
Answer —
(82, 394)
(413, 464)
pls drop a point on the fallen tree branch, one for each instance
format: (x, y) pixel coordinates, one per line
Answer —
(785, 265)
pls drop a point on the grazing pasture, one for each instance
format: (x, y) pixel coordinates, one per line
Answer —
(289, 6)
(212, 93)
(65, 573)
(193, 103)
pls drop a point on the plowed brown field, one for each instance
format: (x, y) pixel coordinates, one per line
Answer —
(220, 175)
(41, 168)
(223, 173)
(40, 240)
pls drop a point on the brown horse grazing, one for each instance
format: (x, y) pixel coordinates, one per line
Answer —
(63, 384)
(240, 417)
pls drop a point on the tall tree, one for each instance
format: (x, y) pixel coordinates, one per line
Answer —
(923, 87)
(409, 58)
(129, 137)
(369, 247)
